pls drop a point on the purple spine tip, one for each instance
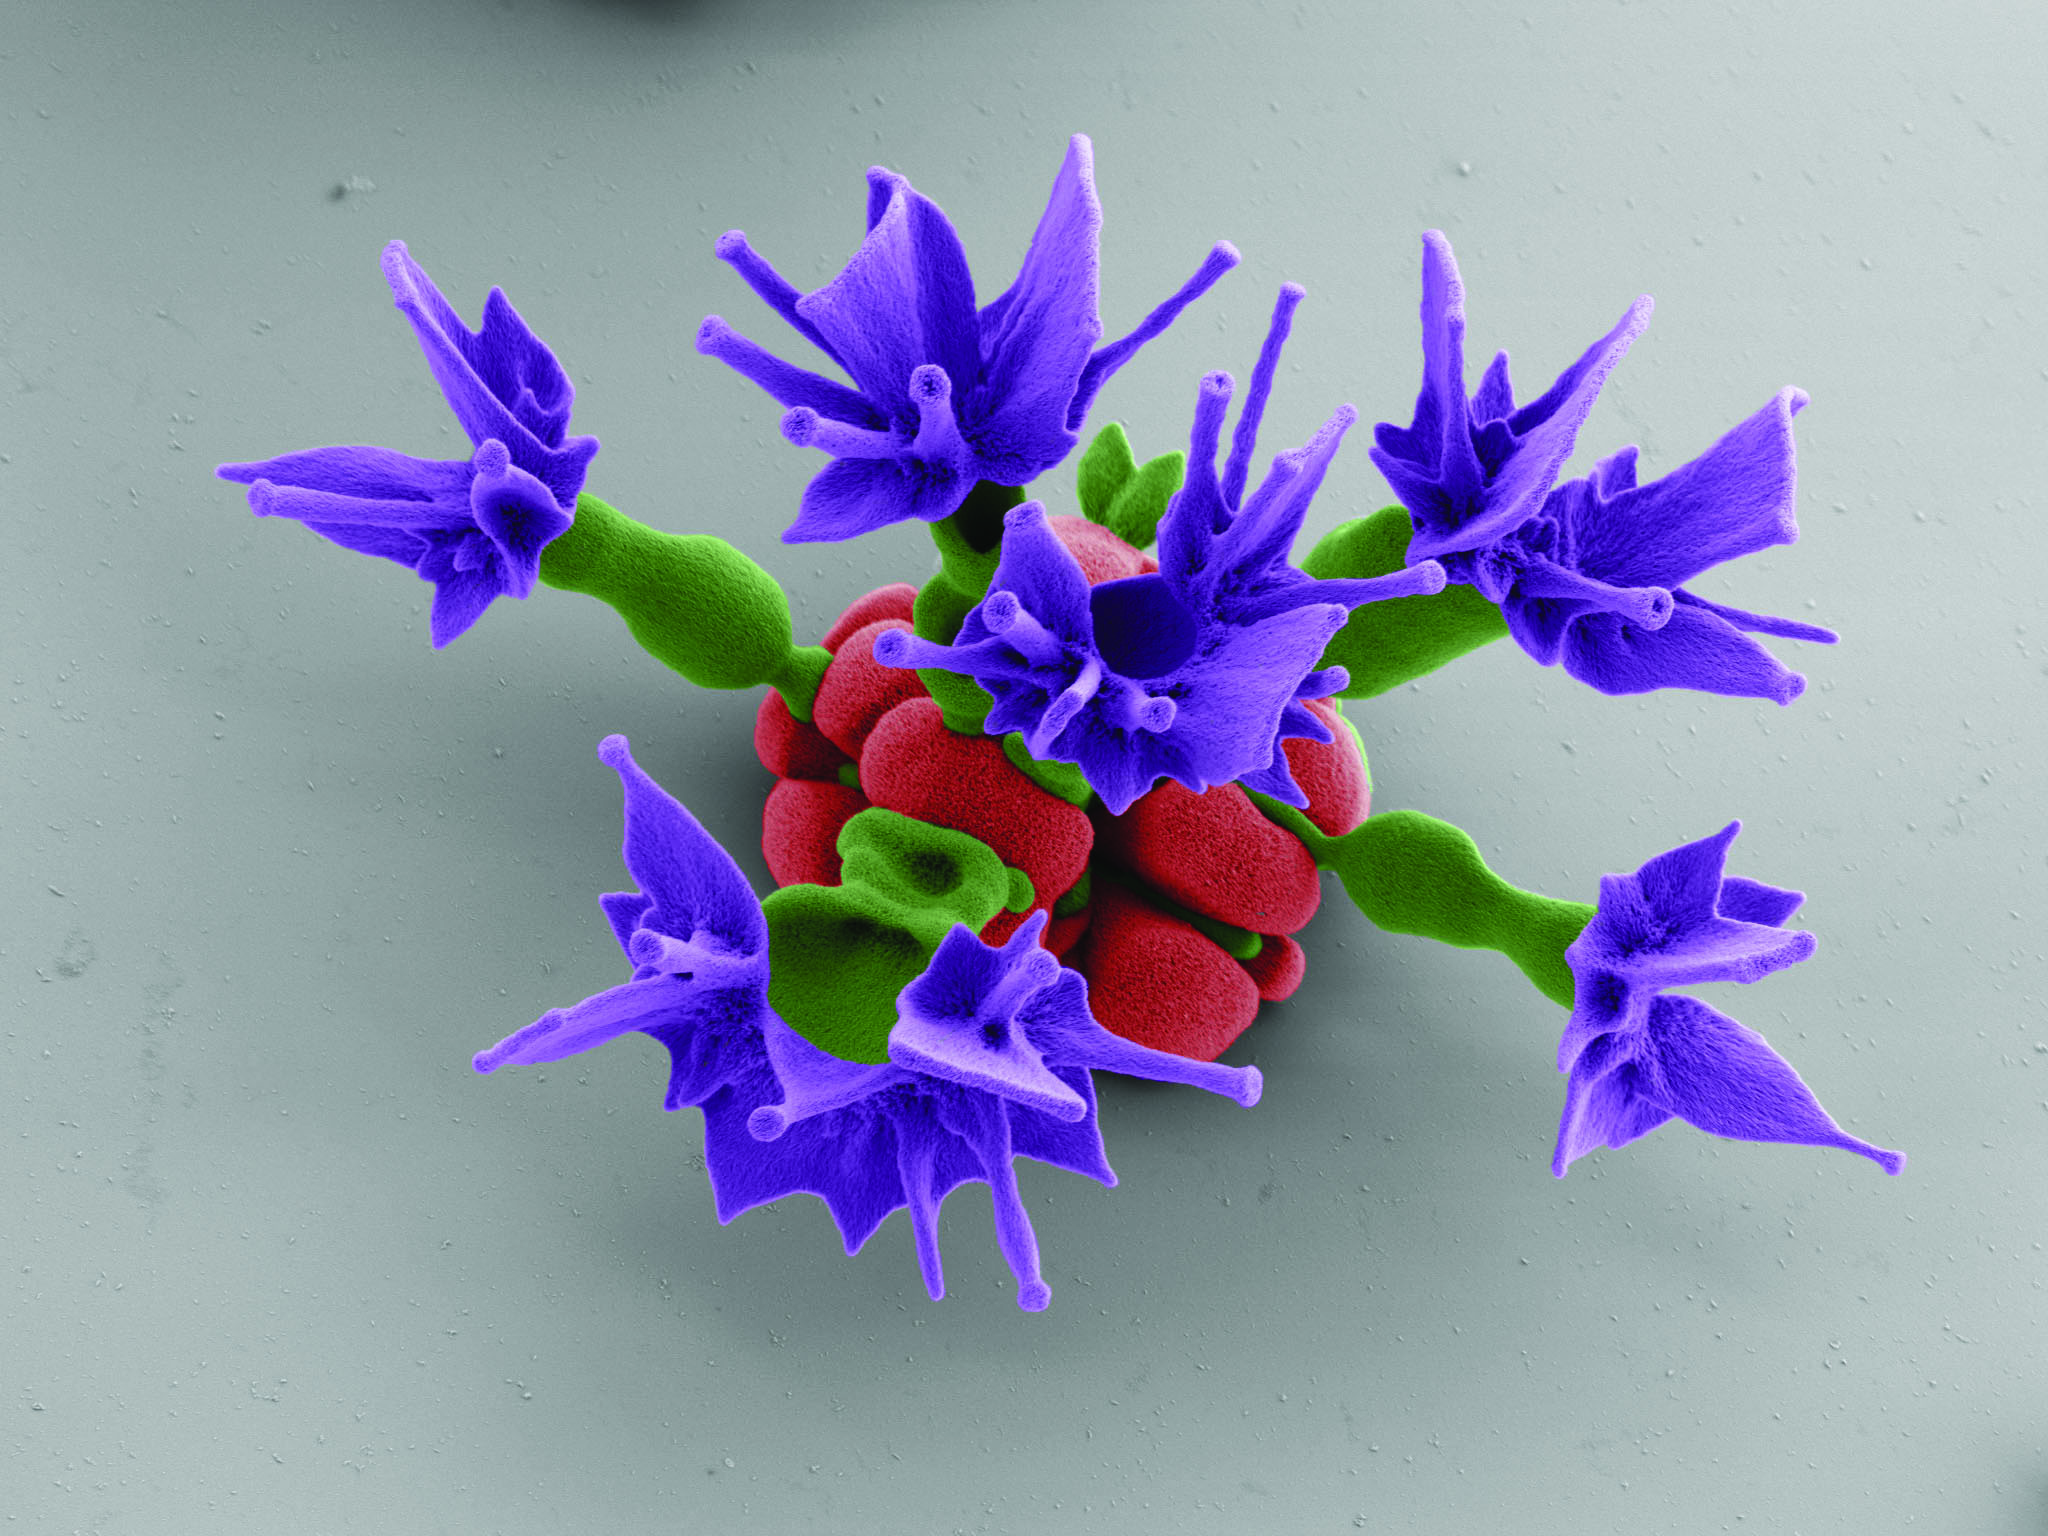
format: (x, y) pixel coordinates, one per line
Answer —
(729, 245)
(614, 752)
(711, 332)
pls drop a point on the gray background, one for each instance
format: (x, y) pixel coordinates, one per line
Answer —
(276, 1259)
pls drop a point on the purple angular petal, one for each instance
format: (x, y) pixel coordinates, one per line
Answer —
(1751, 901)
(1606, 1103)
(696, 886)
(625, 911)
(1036, 337)
(460, 598)
(849, 497)
(1724, 1078)
(1733, 500)
(904, 300)
(1695, 649)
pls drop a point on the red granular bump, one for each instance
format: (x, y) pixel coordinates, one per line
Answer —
(1216, 854)
(1102, 555)
(1155, 980)
(891, 602)
(858, 690)
(800, 829)
(913, 765)
(1331, 773)
(1277, 969)
(788, 747)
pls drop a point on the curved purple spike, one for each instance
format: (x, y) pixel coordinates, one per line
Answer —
(1246, 437)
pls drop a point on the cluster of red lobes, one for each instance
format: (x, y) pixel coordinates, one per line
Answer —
(1153, 977)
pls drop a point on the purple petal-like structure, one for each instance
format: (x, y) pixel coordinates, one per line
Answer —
(475, 528)
(989, 1061)
(698, 944)
(1636, 1057)
(1590, 573)
(944, 395)
(1472, 471)
(1195, 672)
(1596, 580)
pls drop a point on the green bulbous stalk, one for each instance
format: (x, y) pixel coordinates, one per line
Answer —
(1386, 644)
(693, 602)
(1411, 873)
(970, 542)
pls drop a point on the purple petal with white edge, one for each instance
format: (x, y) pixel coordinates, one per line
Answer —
(517, 513)
(1695, 649)
(958, 1020)
(904, 300)
(1035, 338)
(1733, 500)
(1724, 1078)
(697, 888)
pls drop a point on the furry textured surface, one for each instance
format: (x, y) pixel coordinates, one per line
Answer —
(944, 394)
(475, 529)
(1635, 1057)
(1195, 672)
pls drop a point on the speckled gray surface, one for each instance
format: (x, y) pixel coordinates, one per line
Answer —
(277, 1260)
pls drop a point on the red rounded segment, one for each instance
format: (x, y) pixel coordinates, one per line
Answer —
(800, 828)
(788, 747)
(858, 690)
(1103, 556)
(1061, 934)
(890, 602)
(1216, 854)
(913, 765)
(1153, 979)
(1331, 773)
(1277, 969)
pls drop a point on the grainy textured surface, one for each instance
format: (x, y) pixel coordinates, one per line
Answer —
(278, 1260)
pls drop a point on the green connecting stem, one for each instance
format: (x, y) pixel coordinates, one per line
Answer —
(1411, 873)
(1386, 644)
(692, 601)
